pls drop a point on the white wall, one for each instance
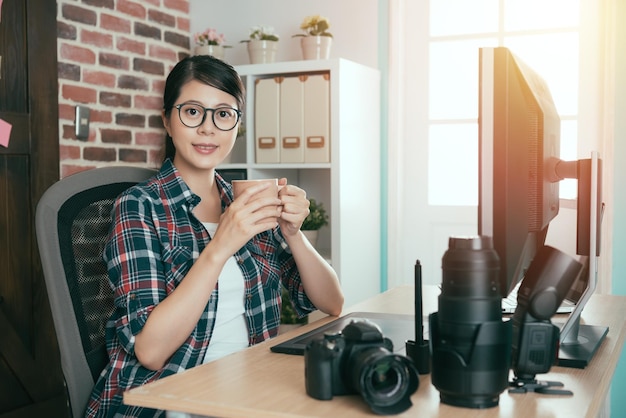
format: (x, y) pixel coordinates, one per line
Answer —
(353, 23)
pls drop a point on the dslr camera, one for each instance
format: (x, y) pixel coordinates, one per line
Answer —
(359, 360)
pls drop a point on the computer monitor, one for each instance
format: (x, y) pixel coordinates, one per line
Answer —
(519, 144)
(519, 174)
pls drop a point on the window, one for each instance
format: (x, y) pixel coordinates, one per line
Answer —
(544, 34)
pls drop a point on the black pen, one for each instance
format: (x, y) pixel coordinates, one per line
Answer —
(419, 320)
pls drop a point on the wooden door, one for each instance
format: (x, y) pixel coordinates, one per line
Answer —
(31, 383)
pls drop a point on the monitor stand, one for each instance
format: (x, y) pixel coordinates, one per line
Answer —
(577, 352)
(578, 343)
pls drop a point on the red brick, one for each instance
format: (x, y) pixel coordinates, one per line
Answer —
(133, 155)
(148, 102)
(155, 157)
(114, 32)
(78, 93)
(177, 39)
(131, 45)
(132, 82)
(109, 4)
(115, 99)
(162, 18)
(69, 152)
(150, 138)
(114, 60)
(101, 116)
(158, 51)
(182, 5)
(98, 39)
(79, 14)
(127, 119)
(131, 8)
(99, 78)
(67, 112)
(66, 31)
(99, 154)
(115, 136)
(77, 54)
(68, 132)
(68, 71)
(148, 66)
(156, 121)
(147, 31)
(183, 24)
(158, 86)
(114, 23)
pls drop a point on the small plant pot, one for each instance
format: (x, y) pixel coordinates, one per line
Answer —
(215, 50)
(262, 52)
(316, 47)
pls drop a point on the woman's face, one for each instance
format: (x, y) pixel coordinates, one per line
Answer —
(205, 146)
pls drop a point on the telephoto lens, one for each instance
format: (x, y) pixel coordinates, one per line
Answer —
(470, 342)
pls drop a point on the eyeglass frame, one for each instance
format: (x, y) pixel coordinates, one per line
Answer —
(206, 109)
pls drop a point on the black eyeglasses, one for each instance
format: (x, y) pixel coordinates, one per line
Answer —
(193, 115)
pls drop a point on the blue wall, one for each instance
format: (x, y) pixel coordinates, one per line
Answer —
(618, 400)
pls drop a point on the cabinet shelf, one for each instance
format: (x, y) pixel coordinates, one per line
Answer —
(348, 185)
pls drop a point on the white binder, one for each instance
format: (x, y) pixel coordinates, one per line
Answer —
(292, 119)
(266, 120)
(317, 118)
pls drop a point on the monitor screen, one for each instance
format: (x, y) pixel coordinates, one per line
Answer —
(519, 143)
(519, 174)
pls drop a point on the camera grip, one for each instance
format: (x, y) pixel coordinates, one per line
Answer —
(318, 371)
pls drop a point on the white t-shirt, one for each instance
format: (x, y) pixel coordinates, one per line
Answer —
(230, 333)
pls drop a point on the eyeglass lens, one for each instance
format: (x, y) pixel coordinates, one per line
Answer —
(193, 115)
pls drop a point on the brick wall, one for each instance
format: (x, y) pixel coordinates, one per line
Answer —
(113, 57)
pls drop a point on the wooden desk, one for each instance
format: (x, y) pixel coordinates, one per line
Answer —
(257, 382)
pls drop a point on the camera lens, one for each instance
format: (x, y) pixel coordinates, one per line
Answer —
(383, 378)
(470, 342)
(385, 381)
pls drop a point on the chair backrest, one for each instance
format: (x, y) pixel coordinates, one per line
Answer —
(72, 223)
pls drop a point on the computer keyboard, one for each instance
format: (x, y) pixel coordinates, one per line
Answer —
(509, 304)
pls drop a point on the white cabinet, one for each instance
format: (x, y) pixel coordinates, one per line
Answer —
(348, 185)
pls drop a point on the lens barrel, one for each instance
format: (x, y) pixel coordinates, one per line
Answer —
(470, 343)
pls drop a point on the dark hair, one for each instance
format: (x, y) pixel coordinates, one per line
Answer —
(205, 69)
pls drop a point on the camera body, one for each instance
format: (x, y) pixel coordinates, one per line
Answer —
(360, 360)
(470, 342)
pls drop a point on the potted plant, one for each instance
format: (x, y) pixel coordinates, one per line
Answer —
(316, 219)
(316, 39)
(288, 316)
(262, 44)
(210, 42)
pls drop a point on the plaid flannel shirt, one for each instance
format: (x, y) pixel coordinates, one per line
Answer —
(153, 243)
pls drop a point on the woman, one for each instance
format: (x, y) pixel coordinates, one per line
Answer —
(196, 274)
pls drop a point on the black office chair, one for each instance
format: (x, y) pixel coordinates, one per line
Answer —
(72, 223)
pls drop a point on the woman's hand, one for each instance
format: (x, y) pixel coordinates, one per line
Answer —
(295, 207)
(247, 216)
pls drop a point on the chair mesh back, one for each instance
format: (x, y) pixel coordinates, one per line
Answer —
(83, 225)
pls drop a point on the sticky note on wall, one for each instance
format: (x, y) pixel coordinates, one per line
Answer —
(5, 133)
